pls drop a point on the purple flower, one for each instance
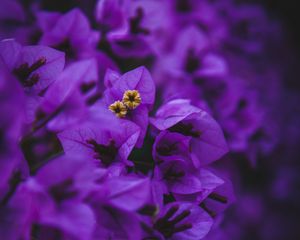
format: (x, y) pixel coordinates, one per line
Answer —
(132, 29)
(219, 198)
(180, 221)
(204, 14)
(107, 146)
(138, 79)
(137, 91)
(245, 32)
(129, 193)
(151, 26)
(188, 90)
(186, 183)
(59, 189)
(36, 67)
(243, 114)
(110, 78)
(111, 17)
(170, 146)
(70, 33)
(207, 142)
(195, 60)
(61, 106)
(114, 206)
(178, 178)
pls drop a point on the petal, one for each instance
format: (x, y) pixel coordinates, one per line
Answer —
(75, 219)
(211, 145)
(200, 220)
(113, 223)
(187, 39)
(173, 112)
(73, 26)
(72, 76)
(55, 61)
(74, 167)
(110, 78)
(140, 117)
(226, 190)
(209, 183)
(129, 193)
(111, 14)
(132, 133)
(178, 144)
(137, 79)
(10, 51)
(74, 138)
(212, 66)
(74, 112)
(186, 185)
(46, 20)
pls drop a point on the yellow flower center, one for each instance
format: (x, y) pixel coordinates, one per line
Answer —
(118, 108)
(132, 99)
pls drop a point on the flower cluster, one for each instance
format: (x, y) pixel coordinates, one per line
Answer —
(112, 115)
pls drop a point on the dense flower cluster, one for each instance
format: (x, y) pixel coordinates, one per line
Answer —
(114, 113)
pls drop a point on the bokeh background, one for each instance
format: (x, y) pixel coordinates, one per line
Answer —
(269, 194)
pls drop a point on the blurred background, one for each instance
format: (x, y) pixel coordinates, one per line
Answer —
(269, 205)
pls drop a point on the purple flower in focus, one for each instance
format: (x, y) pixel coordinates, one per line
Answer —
(207, 142)
(140, 81)
(183, 181)
(170, 146)
(105, 145)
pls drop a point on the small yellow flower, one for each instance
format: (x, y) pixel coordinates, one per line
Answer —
(118, 108)
(132, 99)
